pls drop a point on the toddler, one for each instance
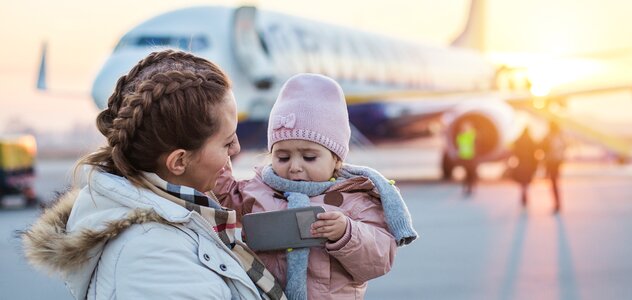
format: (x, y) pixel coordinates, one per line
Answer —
(365, 217)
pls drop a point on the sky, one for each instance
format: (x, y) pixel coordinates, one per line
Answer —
(564, 41)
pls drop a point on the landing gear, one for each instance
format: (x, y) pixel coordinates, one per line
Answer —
(447, 165)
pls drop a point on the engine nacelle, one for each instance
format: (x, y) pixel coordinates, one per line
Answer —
(494, 121)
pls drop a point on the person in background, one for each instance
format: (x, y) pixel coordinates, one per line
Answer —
(143, 228)
(553, 146)
(524, 149)
(365, 216)
(466, 147)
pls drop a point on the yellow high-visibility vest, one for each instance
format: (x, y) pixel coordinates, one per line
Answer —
(466, 142)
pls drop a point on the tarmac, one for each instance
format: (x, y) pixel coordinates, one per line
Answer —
(481, 247)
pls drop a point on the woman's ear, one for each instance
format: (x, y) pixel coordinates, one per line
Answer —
(176, 162)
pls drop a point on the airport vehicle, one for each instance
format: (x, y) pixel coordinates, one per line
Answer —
(17, 167)
(395, 89)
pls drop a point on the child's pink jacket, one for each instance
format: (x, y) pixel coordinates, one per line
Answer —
(339, 270)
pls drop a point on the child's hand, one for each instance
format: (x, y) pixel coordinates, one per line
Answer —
(331, 225)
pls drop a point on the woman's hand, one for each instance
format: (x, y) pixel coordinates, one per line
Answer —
(331, 225)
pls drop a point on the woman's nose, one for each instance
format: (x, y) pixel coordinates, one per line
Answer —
(235, 149)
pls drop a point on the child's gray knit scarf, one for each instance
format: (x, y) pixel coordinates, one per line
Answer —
(298, 192)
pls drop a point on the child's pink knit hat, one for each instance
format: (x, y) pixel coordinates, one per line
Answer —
(311, 107)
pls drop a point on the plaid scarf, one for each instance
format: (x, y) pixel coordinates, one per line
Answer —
(224, 222)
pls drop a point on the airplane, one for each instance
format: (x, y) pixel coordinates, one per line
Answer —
(395, 90)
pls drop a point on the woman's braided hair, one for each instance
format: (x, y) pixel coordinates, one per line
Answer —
(166, 102)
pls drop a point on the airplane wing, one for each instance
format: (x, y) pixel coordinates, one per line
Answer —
(412, 112)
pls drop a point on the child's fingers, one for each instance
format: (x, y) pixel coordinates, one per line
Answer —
(332, 232)
(321, 223)
(323, 230)
(327, 218)
(330, 225)
(330, 215)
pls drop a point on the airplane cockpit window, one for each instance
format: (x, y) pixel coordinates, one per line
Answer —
(191, 43)
(151, 41)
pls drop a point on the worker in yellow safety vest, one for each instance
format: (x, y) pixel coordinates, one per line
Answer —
(466, 146)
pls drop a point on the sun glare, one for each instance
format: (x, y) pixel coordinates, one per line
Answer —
(540, 90)
(546, 73)
(554, 72)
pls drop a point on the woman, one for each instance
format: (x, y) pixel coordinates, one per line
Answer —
(143, 228)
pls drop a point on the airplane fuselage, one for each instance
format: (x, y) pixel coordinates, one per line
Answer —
(387, 81)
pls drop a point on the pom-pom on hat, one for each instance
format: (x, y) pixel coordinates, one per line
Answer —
(311, 107)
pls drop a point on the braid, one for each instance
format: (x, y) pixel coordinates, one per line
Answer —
(166, 86)
(137, 105)
(106, 117)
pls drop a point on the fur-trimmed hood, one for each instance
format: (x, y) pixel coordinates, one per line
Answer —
(69, 238)
(49, 246)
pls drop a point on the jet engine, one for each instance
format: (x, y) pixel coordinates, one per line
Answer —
(496, 127)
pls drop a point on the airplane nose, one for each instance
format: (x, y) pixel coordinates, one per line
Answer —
(117, 65)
